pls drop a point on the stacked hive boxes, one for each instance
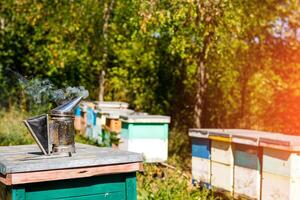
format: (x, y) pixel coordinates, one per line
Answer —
(221, 161)
(146, 134)
(281, 167)
(201, 152)
(77, 120)
(266, 165)
(111, 117)
(90, 121)
(91, 116)
(110, 108)
(247, 164)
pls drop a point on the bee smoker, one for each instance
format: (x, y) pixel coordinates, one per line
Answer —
(54, 133)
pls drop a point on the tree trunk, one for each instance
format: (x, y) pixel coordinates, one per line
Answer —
(200, 89)
(101, 85)
(244, 121)
(108, 5)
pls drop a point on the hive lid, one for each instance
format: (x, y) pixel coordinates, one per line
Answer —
(111, 104)
(199, 133)
(114, 113)
(145, 119)
(281, 141)
(26, 158)
(244, 136)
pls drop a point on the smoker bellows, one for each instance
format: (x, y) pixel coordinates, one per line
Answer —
(54, 134)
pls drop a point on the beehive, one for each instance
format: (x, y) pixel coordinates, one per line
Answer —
(97, 127)
(146, 134)
(107, 107)
(83, 112)
(90, 119)
(247, 163)
(112, 113)
(110, 105)
(77, 120)
(221, 160)
(266, 165)
(281, 167)
(90, 173)
(201, 153)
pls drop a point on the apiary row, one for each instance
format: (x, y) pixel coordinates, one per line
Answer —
(245, 163)
(137, 132)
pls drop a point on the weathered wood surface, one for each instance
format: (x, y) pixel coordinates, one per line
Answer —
(145, 119)
(62, 174)
(29, 158)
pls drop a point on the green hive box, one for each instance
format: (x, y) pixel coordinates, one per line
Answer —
(146, 134)
(91, 173)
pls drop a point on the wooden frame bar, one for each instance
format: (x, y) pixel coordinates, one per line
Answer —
(62, 174)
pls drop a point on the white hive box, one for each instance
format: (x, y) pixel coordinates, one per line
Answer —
(146, 134)
(112, 113)
(221, 159)
(201, 153)
(110, 105)
(247, 163)
(281, 167)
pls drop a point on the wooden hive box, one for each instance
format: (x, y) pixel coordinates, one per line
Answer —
(201, 153)
(111, 117)
(78, 119)
(110, 105)
(247, 163)
(221, 160)
(281, 167)
(91, 173)
(114, 124)
(146, 134)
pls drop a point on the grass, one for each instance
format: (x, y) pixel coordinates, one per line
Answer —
(171, 181)
(12, 129)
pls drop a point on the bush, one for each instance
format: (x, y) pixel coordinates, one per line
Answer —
(159, 182)
(12, 129)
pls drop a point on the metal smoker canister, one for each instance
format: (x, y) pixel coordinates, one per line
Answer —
(62, 128)
(54, 133)
(63, 133)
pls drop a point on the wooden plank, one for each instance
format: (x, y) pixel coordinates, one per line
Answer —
(108, 196)
(222, 176)
(28, 158)
(72, 188)
(222, 152)
(41, 176)
(201, 169)
(275, 187)
(201, 148)
(220, 139)
(5, 179)
(277, 162)
(246, 182)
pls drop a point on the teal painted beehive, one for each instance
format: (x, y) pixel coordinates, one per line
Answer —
(91, 173)
(146, 134)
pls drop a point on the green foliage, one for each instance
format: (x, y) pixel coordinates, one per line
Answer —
(162, 183)
(12, 129)
(228, 62)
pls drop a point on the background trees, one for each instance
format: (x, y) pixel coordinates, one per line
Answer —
(206, 63)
